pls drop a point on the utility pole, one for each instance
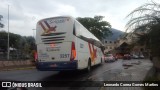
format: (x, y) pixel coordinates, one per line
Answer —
(8, 35)
(33, 33)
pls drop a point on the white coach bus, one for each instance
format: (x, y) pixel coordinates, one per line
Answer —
(65, 44)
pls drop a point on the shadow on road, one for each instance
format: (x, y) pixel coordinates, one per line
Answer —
(78, 75)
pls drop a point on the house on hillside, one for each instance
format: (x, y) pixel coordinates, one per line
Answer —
(111, 41)
(128, 44)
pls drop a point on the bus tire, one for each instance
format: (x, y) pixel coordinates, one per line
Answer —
(89, 66)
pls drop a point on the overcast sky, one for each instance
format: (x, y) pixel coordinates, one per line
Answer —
(24, 14)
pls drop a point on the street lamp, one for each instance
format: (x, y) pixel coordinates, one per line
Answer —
(33, 33)
(8, 35)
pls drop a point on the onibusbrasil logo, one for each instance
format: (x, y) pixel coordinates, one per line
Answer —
(20, 84)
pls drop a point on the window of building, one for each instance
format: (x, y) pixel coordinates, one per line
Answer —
(106, 47)
(105, 41)
(110, 47)
(110, 41)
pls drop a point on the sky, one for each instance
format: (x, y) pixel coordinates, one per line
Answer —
(24, 14)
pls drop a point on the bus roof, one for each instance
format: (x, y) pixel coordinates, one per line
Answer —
(56, 17)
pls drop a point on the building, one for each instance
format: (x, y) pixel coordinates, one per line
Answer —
(128, 44)
(111, 42)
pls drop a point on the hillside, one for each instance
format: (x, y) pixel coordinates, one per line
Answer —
(115, 34)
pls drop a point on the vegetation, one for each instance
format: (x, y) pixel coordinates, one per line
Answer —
(1, 25)
(96, 26)
(23, 45)
(145, 23)
(150, 78)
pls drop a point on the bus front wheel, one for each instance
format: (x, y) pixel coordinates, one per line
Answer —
(101, 61)
(89, 66)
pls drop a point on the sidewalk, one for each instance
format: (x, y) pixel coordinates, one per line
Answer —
(134, 70)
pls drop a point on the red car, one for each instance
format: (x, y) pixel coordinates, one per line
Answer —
(119, 56)
(126, 57)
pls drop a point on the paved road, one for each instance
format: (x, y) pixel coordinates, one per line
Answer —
(104, 72)
(34, 75)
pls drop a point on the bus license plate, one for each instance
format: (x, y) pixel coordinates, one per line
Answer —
(53, 65)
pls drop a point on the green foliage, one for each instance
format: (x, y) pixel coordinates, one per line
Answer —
(96, 26)
(14, 38)
(1, 25)
(144, 16)
(24, 45)
(146, 20)
(155, 40)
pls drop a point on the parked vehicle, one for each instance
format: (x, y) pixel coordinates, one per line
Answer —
(134, 56)
(141, 56)
(126, 57)
(104, 57)
(116, 57)
(109, 58)
(119, 56)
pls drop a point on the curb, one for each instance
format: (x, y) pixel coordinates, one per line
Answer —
(18, 68)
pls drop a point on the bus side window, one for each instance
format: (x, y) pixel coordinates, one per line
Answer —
(74, 29)
(77, 29)
(102, 49)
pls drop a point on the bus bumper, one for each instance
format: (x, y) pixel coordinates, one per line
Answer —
(57, 66)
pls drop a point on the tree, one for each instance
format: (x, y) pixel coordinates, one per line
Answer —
(14, 38)
(155, 39)
(1, 25)
(143, 17)
(96, 26)
(26, 45)
(146, 19)
(23, 44)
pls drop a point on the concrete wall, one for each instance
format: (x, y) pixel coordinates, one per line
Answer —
(16, 63)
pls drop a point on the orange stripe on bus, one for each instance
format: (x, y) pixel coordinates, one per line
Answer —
(94, 52)
(91, 52)
(90, 48)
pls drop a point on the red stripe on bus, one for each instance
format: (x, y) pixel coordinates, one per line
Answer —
(42, 26)
(47, 24)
